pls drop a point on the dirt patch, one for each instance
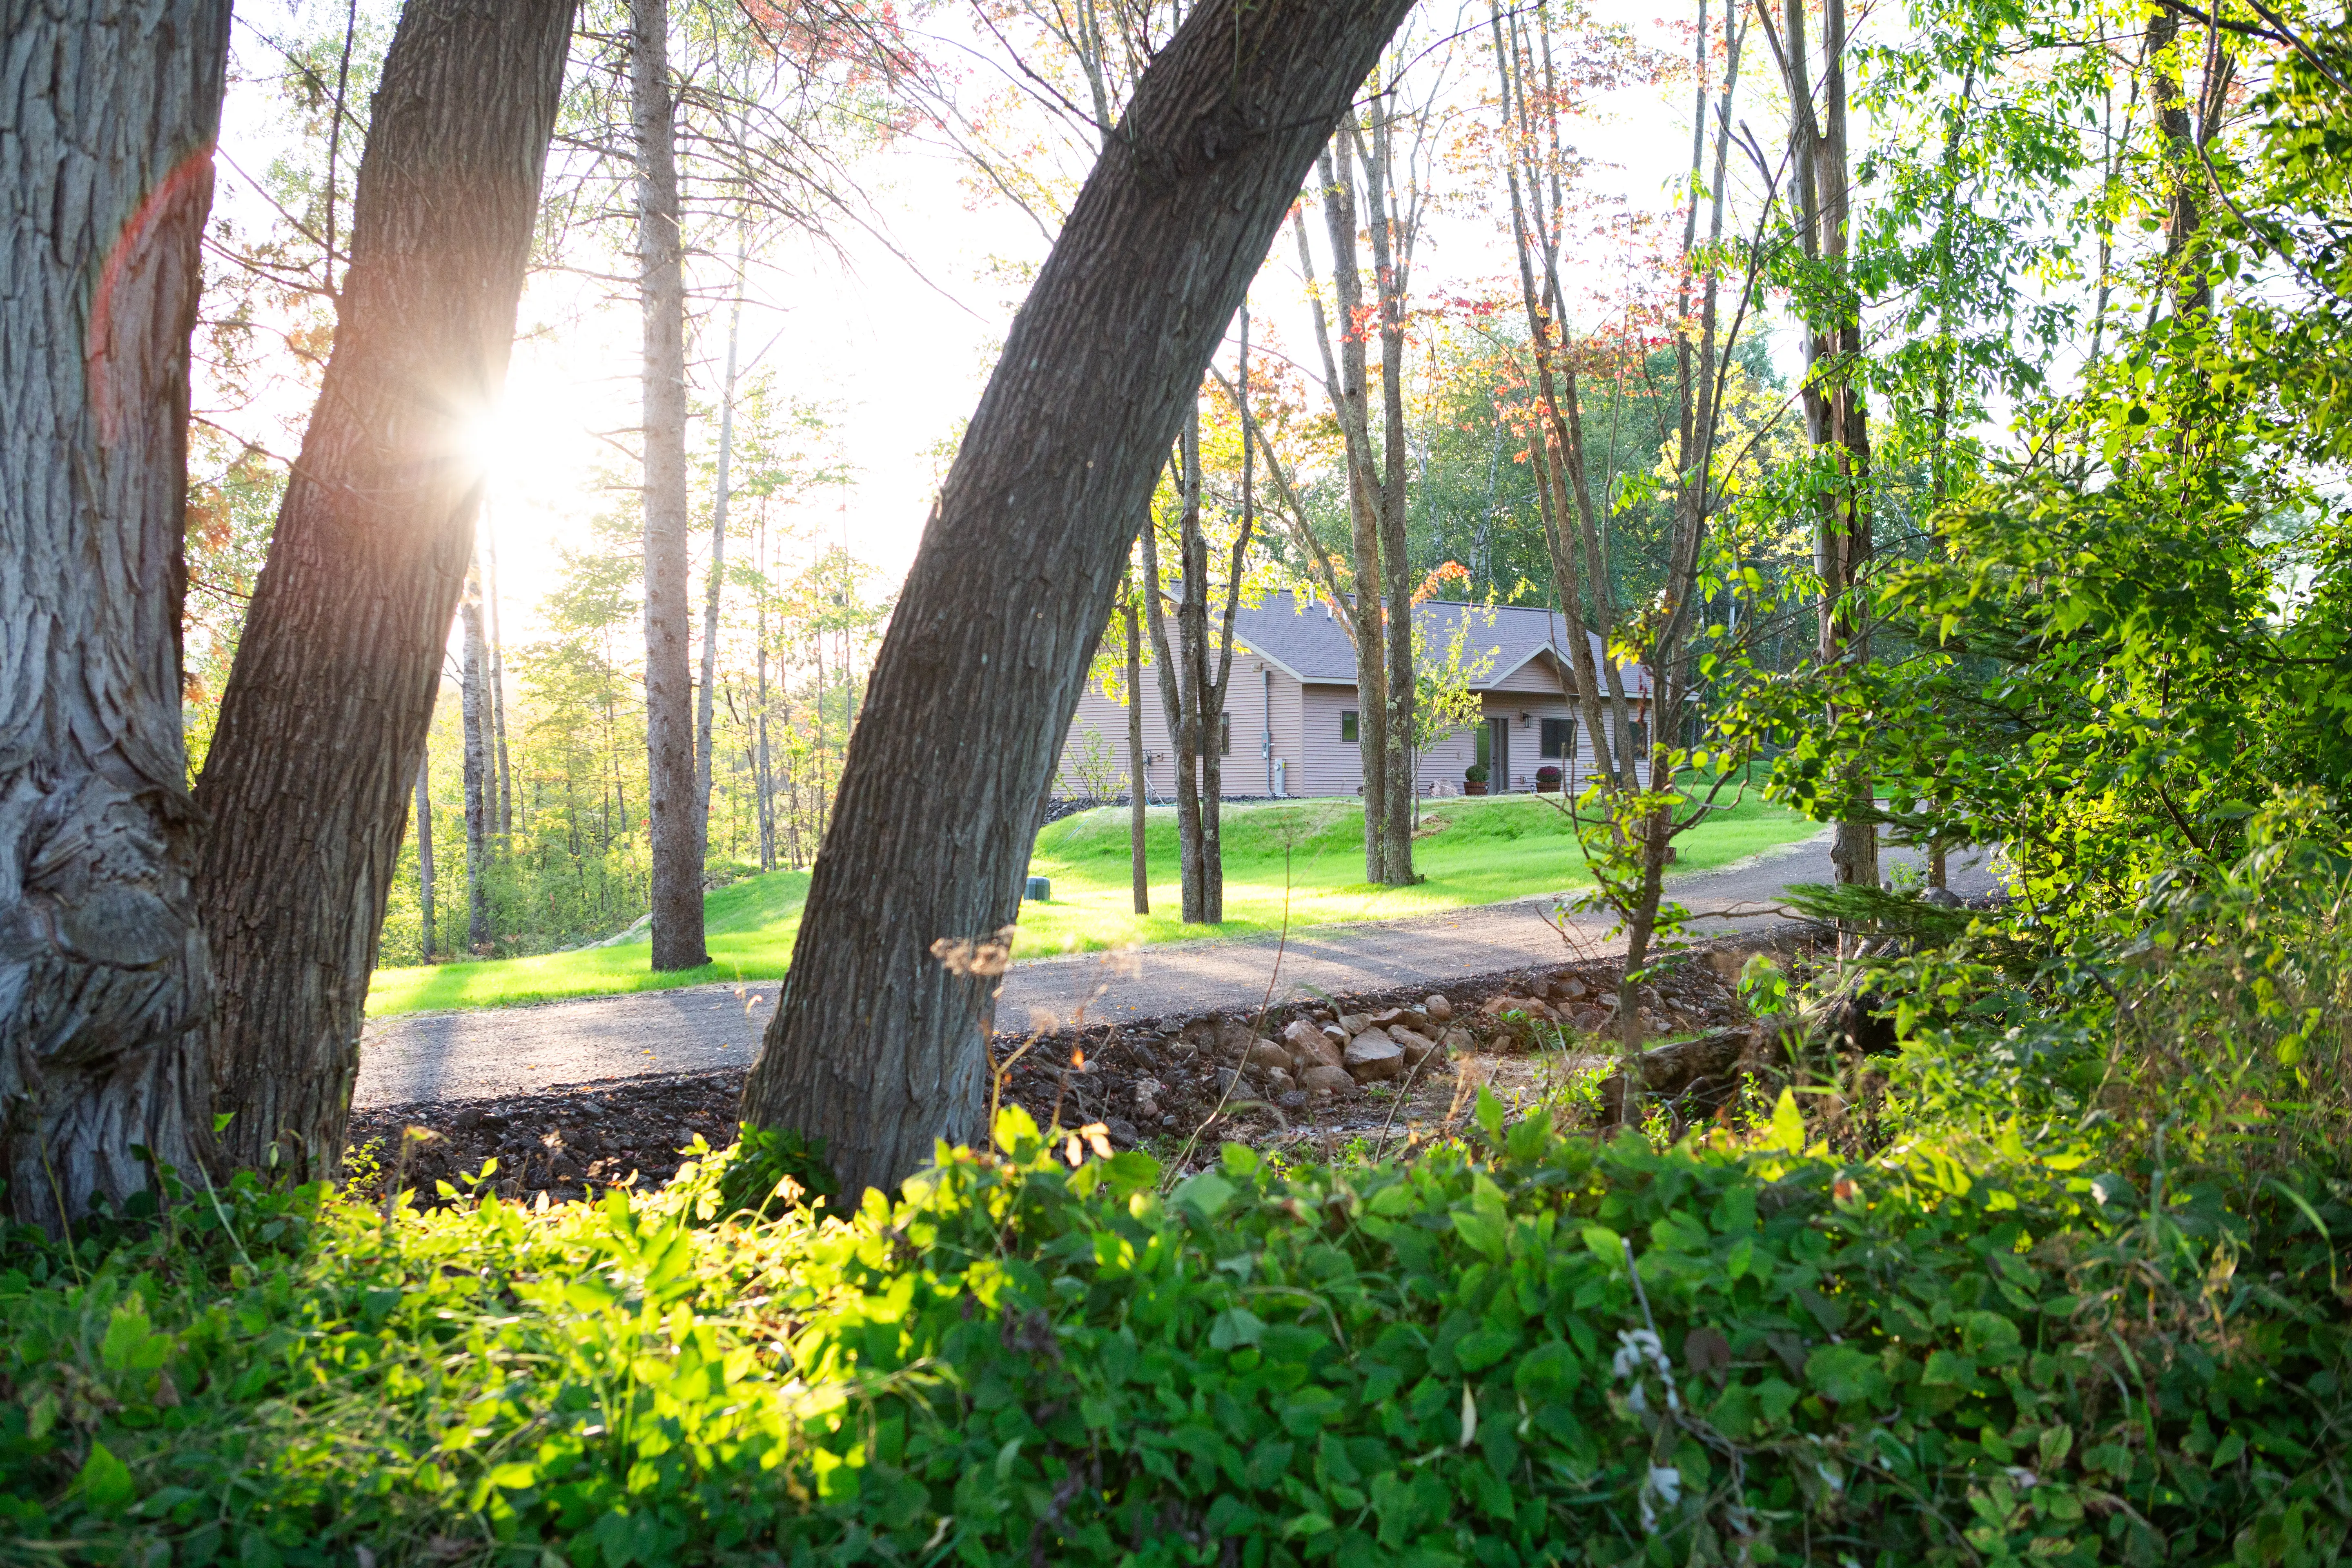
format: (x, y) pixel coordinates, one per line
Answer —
(1178, 1085)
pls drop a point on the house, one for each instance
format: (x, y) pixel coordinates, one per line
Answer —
(1290, 721)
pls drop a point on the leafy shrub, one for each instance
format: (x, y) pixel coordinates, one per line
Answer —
(773, 1167)
(1520, 1349)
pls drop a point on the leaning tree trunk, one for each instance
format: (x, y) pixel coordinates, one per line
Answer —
(323, 723)
(105, 179)
(876, 1044)
(677, 825)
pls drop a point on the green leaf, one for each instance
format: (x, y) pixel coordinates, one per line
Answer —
(1788, 1132)
(1234, 1327)
(1482, 1348)
(1484, 1233)
(130, 1344)
(1205, 1193)
(1842, 1374)
(104, 1483)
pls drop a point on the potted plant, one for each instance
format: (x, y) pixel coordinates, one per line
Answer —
(1547, 781)
(1474, 779)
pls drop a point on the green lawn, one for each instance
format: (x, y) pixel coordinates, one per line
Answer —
(1478, 852)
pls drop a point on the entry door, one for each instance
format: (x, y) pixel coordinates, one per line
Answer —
(1498, 750)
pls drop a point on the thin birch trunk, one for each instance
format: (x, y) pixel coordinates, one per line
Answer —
(676, 827)
(1343, 380)
(480, 786)
(1137, 785)
(717, 557)
(425, 854)
(763, 777)
(503, 770)
(1391, 236)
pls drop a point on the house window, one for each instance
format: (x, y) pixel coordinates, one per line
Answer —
(1558, 738)
(1224, 734)
(1347, 723)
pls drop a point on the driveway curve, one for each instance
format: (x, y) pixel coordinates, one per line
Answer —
(519, 1050)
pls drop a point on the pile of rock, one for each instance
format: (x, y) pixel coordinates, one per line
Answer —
(1316, 1058)
(1585, 1005)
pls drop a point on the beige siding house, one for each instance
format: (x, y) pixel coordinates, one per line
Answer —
(1291, 709)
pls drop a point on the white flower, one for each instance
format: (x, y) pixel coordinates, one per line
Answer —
(1662, 1488)
(1638, 1351)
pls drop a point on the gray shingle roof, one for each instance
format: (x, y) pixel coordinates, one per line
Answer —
(1302, 635)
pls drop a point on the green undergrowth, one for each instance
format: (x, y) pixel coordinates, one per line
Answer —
(1519, 1348)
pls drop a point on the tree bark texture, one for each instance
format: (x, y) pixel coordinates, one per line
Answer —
(480, 786)
(323, 724)
(876, 1044)
(677, 826)
(109, 111)
(1392, 237)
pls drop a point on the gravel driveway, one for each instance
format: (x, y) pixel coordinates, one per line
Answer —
(515, 1050)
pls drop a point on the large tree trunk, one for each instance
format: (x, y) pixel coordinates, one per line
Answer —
(480, 787)
(677, 826)
(105, 180)
(877, 1045)
(323, 723)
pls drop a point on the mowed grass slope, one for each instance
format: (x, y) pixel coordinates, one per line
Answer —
(1308, 855)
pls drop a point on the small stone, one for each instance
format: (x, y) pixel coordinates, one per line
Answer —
(1295, 1099)
(1389, 1017)
(1319, 1081)
(1457, 1041)
(1353, 1024)
(1310, 1046)
(1418, 1048)
(1278, 1083)
(1439, 1009)
(1267, 1054)
(1373, 1056)
(1121, 1130)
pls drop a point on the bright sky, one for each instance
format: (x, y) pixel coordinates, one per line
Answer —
(899, 342)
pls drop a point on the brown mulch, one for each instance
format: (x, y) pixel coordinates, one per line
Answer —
(572, 1141)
